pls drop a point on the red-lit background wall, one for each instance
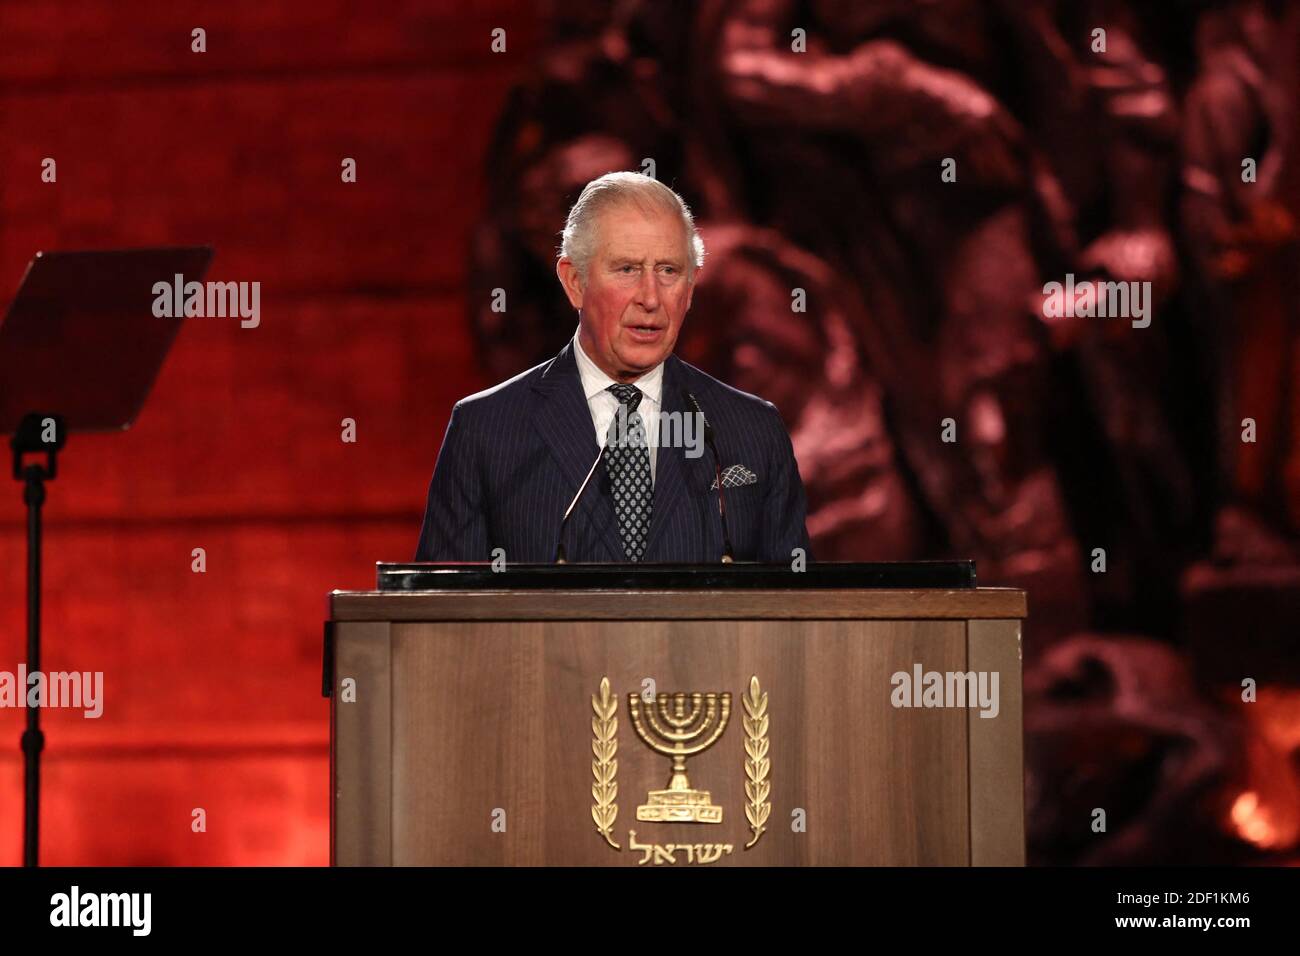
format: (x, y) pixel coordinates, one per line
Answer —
(212, 681)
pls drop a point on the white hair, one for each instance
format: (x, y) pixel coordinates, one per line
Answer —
(578, 240)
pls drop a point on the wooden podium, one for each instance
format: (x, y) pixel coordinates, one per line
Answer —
(484, 719)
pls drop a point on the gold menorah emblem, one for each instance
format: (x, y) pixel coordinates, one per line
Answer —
(680, 726)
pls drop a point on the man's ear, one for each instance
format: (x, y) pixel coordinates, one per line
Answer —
(570, 280)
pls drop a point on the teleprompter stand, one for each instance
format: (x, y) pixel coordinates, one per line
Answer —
(80, 348)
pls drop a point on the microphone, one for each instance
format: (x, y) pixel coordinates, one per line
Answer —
(717, 471)
(559, 543)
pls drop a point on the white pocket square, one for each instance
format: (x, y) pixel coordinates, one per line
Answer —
(733, 476)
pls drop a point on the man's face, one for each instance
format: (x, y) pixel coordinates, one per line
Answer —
(636, 292)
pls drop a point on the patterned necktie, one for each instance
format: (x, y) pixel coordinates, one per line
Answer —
(628, 463)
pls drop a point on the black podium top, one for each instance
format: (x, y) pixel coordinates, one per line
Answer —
(891, 575)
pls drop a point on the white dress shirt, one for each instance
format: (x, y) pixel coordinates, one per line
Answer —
(604, 406)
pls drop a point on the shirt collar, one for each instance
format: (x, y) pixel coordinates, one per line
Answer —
(594, 381)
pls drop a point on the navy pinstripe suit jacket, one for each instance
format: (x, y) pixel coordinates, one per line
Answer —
(514, 456)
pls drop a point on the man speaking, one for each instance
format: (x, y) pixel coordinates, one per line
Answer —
(611, 431)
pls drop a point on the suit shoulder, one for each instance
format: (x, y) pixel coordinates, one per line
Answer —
(718, 392)
(503, 393)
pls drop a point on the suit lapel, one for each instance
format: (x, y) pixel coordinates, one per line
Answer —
(563, 419)
(672, 469)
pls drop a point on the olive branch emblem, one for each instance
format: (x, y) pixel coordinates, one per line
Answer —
(757, 765)
(604, 767)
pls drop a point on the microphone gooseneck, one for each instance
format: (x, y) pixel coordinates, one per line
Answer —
(717, 471)
(568, 512)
